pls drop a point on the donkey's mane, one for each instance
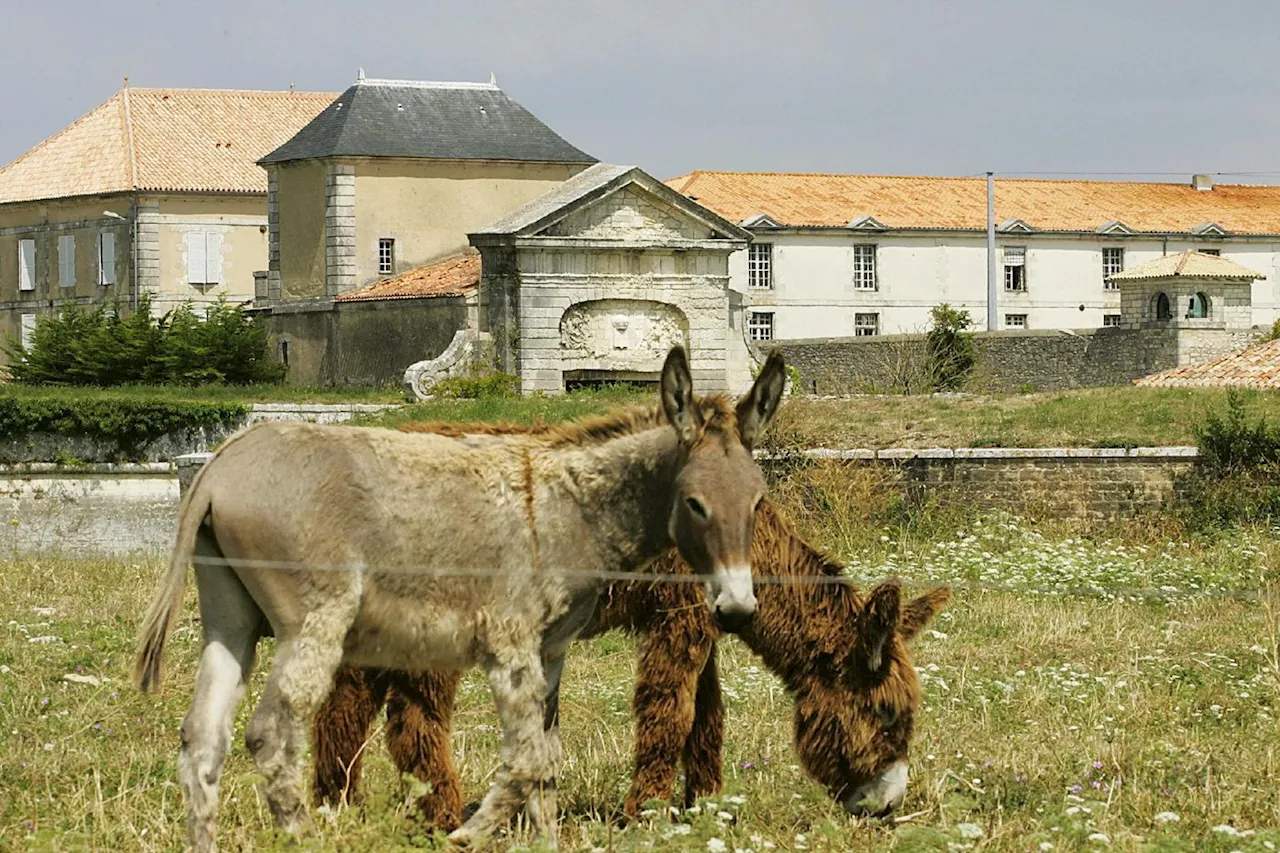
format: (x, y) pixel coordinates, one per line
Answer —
(717, 414)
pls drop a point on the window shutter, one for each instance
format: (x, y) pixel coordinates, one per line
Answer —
(213, 258)
(67, 260)
(107, 258)
(28, 330)
(26, 264)
(195, 257)
(1014, 256)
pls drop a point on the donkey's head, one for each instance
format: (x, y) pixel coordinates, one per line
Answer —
(854, 722)
(719, 486)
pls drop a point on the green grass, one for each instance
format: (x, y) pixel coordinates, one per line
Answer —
(1047, 718)
(214, 393)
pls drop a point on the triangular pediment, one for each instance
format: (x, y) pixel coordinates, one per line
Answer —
(1015, 226)
(1209, 229)
(614, 203)
(1115, 226)
(760, 220)
(867, 223)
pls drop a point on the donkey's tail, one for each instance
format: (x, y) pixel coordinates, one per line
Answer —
(166, 601)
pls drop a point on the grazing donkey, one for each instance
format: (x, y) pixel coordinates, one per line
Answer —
(843, 659)
(389, 549)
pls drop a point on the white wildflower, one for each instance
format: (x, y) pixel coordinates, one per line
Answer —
(1167, 817)
(1226, 829)
(1099, 838)
(715, 845)
(969, 830)
(1046, 846)
(724, 815)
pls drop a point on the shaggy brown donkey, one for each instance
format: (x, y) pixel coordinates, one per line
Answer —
(843, 659)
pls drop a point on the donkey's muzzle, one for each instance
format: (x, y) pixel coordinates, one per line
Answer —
(733, 600)
(879, 796)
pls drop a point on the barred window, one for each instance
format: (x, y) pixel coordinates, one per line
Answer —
(1110, 320)
(760, 265)
(386, 256)
(1112, 263)
(1015, 269)
(864, 267)
(1015, 321)
(760, 326)
(866, 325)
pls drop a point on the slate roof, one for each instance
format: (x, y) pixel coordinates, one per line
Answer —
(456, 276)
(1189, 264)
(929, 203)
(448, 121)
(1256, 367)
(162, 140)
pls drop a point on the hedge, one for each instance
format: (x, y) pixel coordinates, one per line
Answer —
(123, 421)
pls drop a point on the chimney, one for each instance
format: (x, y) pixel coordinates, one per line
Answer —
(1202, 182)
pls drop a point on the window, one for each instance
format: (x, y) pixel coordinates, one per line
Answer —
(26, 265)
(204, 257)
(28, 330)
(1110, 320)
(866, 325)
(864, 267)
(67, 260)
(1015, 269)
(760, 265)
(284, 353)
(1198, 307)
(386, 256)
(1015, 321)
(1163, 309)
(1214, 252)
(760, 326)
(106, 258)
(1112, 263)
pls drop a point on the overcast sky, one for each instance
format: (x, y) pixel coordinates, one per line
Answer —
(950, 87)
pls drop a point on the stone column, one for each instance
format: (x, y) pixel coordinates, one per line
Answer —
(340, 228)
(147, 230)
(274, 292)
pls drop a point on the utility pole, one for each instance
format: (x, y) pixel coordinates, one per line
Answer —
(992, 292)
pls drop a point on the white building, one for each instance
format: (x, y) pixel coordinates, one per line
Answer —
(849, 255)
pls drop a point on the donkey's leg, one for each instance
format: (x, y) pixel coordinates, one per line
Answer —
(519, 691)
(232, 626)
(341, 729)
(419, 717)
(300, 679)
(672, 654)
(703, 751)
(541, 806)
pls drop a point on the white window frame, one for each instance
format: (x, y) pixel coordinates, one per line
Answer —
(1015, 257)
(204, 258)
(106, 258)
(1110, 267)
(864, 328)
(865, 269)
(386, 256)
(67, 260)
(760, 266)
(1015, 321)
(1110, 321)
(27, 330)
(760, 326)
(26, 265)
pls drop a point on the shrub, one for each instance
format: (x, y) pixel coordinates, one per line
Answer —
(99, 347)
(477, 385)
(949, 349)
(1237, 476)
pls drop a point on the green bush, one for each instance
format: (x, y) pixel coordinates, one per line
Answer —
(99, 347)
(477, 385)
(948, 348)
(1237, 475)
(125, 422)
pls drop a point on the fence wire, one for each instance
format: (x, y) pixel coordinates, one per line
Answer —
(653, 578)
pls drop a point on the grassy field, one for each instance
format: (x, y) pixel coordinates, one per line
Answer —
(1103, 417)
(1078, 722)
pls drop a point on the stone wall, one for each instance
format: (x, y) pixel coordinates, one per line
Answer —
(360, 343)
(1040, 360)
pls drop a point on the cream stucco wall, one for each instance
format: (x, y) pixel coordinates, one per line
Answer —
(813, 293)
(429, 206)
(241, 222)
(301, 203)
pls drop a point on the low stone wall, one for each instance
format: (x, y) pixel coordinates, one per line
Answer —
(1008, 362)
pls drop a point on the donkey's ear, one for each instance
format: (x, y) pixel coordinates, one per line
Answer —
(677, 396)
(757, 410)
(878, 621)
(920, 611)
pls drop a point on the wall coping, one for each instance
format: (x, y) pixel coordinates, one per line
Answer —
(320, 408)
(27, 469)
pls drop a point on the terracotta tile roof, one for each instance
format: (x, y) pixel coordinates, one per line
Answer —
(163, 140)
(1189, 264)
(1256, 367)
(456, 276)
(961, 203)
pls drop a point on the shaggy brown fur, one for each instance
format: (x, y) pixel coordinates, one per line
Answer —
(844, 660)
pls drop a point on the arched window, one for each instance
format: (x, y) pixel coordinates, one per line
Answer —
(1163, 309)
(1198, 307)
